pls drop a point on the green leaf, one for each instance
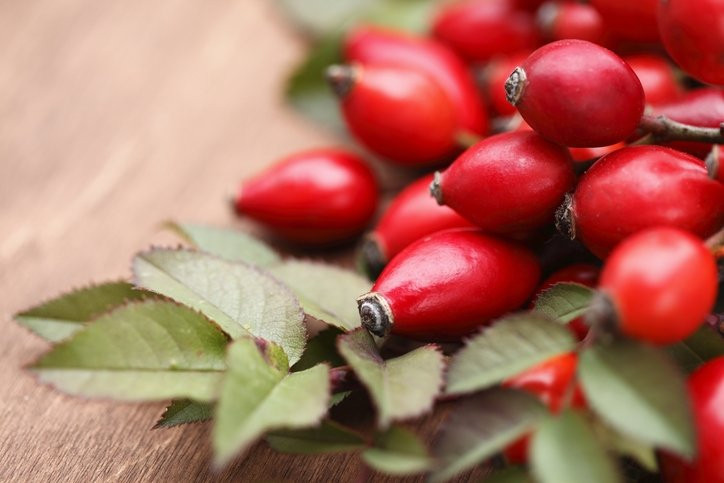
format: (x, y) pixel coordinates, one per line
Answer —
(327, 293)
(143, 351)
(483, 425)
(511, 474)
(307, 90)
(329, 437)
(398, 452)
(639, 391)
(184, 411)
(564, 301)
(703, 345)
(258, 395)
(240, 298)
(565, 449)
(317, 17)
(409, 15)
(508, 347)
(321, 348)
(226, 243)
(643, 453)
(401, 388)
(63, 316)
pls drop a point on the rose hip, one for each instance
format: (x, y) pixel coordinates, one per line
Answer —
(399, 113)
(481, 29)
(641, 187)
(507, 183)
(656, 76)
(567, 20)
(412, 215)
(497, 72)
(630, 20)
(374, 45)
(318, 196)
(448, 284)
(578, 94)
(661, 284)
(693, 34)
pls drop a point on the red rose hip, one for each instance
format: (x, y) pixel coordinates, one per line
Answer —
(508, 183)
(661, 284)
(656, 76)
(481, 29)
(412, 215)
(693, 33)
(399, 113)
(317, 196)
(642, 187)
(630, 20)
(706, 391)
(446, 285)
(376, 46)
(578, 94)
(568, 20)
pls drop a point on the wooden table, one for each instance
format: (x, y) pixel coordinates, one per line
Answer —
(115, 116)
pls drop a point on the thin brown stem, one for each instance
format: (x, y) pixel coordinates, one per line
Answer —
(664, 129)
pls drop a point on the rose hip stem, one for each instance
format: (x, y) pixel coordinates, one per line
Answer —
(664, 129)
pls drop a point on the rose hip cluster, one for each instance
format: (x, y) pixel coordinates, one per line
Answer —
(536, 114)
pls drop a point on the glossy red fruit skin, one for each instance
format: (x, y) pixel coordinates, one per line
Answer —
(657, 78)
(481, 29)
(693, 34)
(413, 214)
(641, 187)
(582, 273)
(706, 390)
(598, 99)
(448, 284)
(318, 196)
(567, 20)
(587, 154)
(400, 114)
(374, 45)
(549, 381)
(702, 107)
(498, 71)
(662, 283)
(630, 20)
(508, 183)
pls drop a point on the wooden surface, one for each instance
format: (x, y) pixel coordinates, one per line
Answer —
(114, 116)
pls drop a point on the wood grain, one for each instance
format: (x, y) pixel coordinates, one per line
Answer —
(115, 116)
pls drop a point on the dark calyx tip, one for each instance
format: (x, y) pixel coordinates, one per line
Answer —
(564, 221)
(712, 162)
(601, 313)
(371, 257)
(341, 78)
(374, 312)
(515, 85)
(436, 188)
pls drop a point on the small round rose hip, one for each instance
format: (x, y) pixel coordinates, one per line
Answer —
(399, 113)
(377, 46)
(660, 284)
(630, 20)
(507, 183)
(568, 20)
(481, 29)
(318, 196)
(656, 76)
(578, 94)
(693, 34)
(448, 284)
(642, 187)
(411, 215)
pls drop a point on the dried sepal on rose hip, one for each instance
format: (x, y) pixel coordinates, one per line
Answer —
(509, 183)
(411, 215)
(399, 113)
(692, 32)
(319, 196)
(378, 46)
(577, 93)
(706, 391)
(657, 286)
(447, 285)
(715, 163)
(641, 187)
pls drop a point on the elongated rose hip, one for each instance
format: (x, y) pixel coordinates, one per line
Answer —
(508, 183)
(412, 214)
(446, 285)
(318, 196)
